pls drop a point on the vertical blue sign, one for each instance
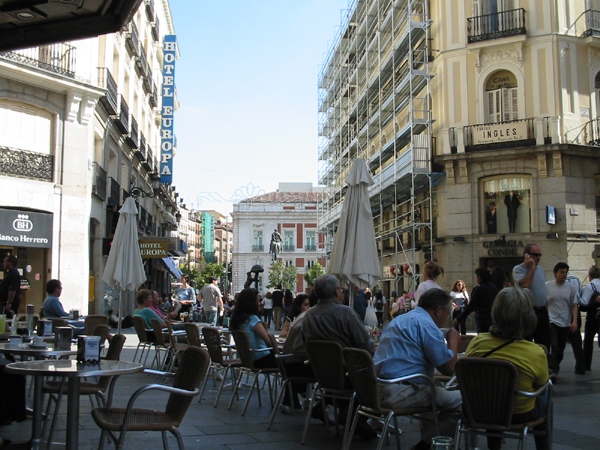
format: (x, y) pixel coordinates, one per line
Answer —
(167, 137)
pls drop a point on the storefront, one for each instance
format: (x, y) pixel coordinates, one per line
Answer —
(28, 236)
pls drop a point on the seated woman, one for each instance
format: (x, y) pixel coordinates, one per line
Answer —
(246, 317)
(145, 299)
(300, 305)
(513, 319)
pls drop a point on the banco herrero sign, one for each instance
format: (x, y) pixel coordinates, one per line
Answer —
(25, 229)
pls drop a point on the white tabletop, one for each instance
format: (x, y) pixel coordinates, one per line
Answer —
(27, 350)
(72, 368)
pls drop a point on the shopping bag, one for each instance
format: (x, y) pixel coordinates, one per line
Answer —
(371, 317)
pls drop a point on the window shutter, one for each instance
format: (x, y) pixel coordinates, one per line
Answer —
(515, 104)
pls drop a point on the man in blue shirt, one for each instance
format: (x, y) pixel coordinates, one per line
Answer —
(414, 343)
(52, 307)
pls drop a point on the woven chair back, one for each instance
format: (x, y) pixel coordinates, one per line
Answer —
(92, 321)
(212, 340)
(140, 328)
(243, 349)
(361, 371)
(193, 334)
(328, 364)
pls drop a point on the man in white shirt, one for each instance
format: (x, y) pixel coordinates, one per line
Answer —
(562, 309)
(212, 300)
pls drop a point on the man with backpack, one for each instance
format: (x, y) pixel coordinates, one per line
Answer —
(590, 304)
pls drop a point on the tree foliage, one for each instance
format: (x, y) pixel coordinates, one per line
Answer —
(280, 274)
(200, 277)
(315, 272)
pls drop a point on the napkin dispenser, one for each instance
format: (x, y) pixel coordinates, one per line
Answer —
(62, 338)
(88, 349)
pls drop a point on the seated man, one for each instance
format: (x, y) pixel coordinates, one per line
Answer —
(414, 343)
(52, 307)
(144, 299)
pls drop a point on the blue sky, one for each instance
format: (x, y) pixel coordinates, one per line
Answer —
(247, 83)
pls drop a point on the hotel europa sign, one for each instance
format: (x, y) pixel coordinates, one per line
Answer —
(499, 132)
(154, 247)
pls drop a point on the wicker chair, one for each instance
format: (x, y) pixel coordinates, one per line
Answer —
(361, 371)
(103, 331)
(192, 369)
(328, 366)
(161, 344)
(92, 321)
(488, 388)
(56, 389)
(193, 334)
(218, 364)
(242, 344)
(144, 343)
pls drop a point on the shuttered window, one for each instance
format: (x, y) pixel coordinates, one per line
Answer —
(25, 127)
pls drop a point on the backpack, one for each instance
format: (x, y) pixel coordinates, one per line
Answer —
(592, 304)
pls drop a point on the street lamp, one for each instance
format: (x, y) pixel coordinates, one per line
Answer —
(137, 191)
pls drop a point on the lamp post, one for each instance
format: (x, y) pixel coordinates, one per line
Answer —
(137, 191)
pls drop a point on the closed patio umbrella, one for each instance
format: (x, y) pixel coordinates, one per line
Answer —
(354, 257)
(124, 268)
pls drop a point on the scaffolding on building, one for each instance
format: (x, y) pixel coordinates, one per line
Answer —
(375, 103)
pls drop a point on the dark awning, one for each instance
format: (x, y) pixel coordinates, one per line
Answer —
(172, 267)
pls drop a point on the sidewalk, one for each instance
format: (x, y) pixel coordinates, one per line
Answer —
(576, 411)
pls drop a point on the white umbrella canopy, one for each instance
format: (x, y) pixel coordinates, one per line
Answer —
(124, 268)
(354, 257)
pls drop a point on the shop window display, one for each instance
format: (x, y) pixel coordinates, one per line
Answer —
(507, 205)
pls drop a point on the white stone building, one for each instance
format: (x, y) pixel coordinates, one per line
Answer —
(292, 211)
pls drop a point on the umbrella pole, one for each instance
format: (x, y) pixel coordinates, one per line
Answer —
(120, 318)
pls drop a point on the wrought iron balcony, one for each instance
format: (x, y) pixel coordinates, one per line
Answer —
(258, 248)
(587, 134)
(26, 164)
(131, 39)
(501, 135)
(310, 247)
(143, 218)
(121, 120)
(109, 100)
(288, 248)
(140, 64)
(140, 153)
(147, 163)
(152, 99)
(57, 58)
(100, 182)
(592, 23)
(496, 26)
(132, 139)
(147, 82)
(155, 29)
(114, 197)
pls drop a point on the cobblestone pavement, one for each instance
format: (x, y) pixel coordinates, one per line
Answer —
(575, 418)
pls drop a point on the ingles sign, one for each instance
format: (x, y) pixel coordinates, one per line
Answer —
(168, 107)
(25, 229)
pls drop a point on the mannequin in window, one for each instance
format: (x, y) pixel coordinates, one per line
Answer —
(491, 218)
(512, 202)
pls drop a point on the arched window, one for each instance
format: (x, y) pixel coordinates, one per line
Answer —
(501, 95)
(25, 127)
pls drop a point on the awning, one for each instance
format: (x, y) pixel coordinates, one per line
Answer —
(172, 267)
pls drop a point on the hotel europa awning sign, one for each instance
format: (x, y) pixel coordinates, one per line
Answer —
(499, 132)
(154, 248)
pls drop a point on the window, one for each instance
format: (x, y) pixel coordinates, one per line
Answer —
(25, 127)
(257, 242)
(289, 263)
(310, 241)
(309, 264)
(288, 240)
(507, 205)
(501, 97)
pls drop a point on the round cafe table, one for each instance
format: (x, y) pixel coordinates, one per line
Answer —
(26, 350)
(74, 371)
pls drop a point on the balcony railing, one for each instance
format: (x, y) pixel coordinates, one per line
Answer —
(143, 219)
(497, 25)
(152, 99)
(26, 164)
(114, 197)
(147, 82)
(57, 58)
(592, 23)
(310, 247)
(100, 182)
(140, 153)
(109, 100)
(288, 248)
(587, 134)
(140, 64)
(132, 139)
(258, 248)
(501, 135)
(121, 121)
(131, 39)
(155, 29)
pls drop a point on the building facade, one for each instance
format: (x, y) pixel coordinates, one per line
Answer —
(478, 119)
(79, 129)
(292, 211)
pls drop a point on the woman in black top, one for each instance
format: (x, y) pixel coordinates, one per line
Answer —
(482, 299)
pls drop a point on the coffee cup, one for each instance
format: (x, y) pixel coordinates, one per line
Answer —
(38, 341)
